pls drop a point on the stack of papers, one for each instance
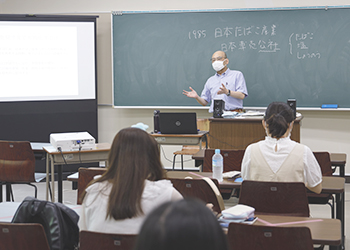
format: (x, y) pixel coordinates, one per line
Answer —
(252, 113)
(239, 214)
(229, 114)
(231, 175)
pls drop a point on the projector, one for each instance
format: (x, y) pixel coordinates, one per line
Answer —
(72, 141)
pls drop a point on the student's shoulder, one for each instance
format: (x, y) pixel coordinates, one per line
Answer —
(252, 145)
(97, 187)
(306, 149)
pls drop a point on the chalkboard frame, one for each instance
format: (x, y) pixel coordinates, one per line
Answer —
(194, 104)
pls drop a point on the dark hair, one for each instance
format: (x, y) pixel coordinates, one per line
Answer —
(133, 158)
(278, 117)
(185, 224)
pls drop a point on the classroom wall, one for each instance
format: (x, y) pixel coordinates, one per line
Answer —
(320, 130)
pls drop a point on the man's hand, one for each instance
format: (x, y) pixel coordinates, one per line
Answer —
(223, 90)
(191, 94)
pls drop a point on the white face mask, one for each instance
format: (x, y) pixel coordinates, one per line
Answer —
(218, 65)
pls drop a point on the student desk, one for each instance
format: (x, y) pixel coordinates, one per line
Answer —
(181, 139)
(337, 160)
(330, 185)
(238, 133)
(57, 158)
(323, 231)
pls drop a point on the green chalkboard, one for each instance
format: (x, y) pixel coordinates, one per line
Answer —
(300, 53)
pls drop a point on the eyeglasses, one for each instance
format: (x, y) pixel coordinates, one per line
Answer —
(219, 58)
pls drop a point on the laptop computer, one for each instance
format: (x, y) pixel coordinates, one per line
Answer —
(178, 123)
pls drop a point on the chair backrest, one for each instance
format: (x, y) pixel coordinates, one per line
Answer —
(103, 241)
(283, 198)
(232, 159)
(22, 236)
(253, 237)
(86, 175)
(17, 162)
(204, 189)
(324, 160)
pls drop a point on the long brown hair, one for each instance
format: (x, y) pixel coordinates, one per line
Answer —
(133, 158)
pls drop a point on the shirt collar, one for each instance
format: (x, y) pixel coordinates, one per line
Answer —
(275, 144)
(269, 139)
(273, 141)
(223, 74)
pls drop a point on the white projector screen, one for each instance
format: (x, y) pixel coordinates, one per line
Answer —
(44, 61)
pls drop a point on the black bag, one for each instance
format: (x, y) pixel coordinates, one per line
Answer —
(59, 221)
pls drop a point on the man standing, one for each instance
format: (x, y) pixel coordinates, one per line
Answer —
(228, 85)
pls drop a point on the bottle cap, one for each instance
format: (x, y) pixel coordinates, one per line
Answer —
(217, 151)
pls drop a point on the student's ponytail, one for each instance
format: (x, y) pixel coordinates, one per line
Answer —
(278, 117)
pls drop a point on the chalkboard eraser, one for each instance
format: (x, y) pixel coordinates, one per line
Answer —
(329, 106)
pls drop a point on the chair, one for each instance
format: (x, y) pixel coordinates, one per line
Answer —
(324, 160)
(17, 165)
(86, 175)
(255, 237)
(232, 159)
(103, 241)
(204, 189)
(203, 125)
(23, 236)
(282, 198)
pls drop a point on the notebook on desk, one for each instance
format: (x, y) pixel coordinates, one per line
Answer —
(178, 123)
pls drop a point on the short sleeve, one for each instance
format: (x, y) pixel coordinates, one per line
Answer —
(241, 84)
(312, 170)
(245, 171)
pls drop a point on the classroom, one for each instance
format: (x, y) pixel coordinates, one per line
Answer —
(321, 129)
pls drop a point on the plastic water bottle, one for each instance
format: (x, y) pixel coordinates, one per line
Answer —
(217, 165)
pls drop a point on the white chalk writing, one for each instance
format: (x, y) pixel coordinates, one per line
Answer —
(197, 34)
(239, 31)
(299, 45)
(261, 45)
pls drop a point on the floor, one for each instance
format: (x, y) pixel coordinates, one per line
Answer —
(70, 198)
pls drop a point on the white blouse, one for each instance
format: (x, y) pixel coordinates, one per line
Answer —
(94, 207)
(275, 158)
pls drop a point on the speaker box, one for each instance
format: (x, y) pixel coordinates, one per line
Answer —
(293, 105)
(156, 121)
(219, 107)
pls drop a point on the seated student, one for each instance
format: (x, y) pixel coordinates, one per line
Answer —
(185, 224)
(278, 158)
(133, 185)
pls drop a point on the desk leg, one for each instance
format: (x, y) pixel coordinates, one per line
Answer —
(342, 171)
(59, 180)
(52, 179)
(47, 177)
(8, 193)
(340, 214)
(343, 217)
